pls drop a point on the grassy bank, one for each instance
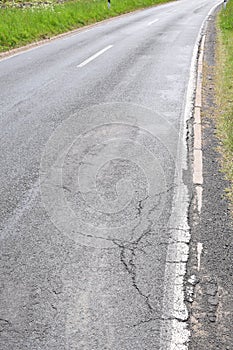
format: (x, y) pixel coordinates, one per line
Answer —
(19, 26)
(224, 89)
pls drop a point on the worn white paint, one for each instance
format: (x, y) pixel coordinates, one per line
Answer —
(93, 57)
(199, 251)
(152, 22)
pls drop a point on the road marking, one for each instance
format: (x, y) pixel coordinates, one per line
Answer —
(199, 191)
(97, 54)
(152, 22)
(199, 251)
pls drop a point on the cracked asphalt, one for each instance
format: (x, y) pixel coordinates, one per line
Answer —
(95, 185)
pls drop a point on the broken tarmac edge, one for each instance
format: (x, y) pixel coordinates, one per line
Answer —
(175, 331)
(208, 282)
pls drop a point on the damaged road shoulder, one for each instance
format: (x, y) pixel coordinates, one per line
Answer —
(209, 289)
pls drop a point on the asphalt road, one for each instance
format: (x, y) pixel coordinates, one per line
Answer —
(94, 185)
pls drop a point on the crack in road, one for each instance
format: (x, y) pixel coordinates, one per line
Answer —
(130, 266)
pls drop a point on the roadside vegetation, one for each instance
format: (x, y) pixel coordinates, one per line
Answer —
(224, 90)
(22, 22)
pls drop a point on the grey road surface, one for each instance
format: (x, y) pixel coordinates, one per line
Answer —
(94, 185)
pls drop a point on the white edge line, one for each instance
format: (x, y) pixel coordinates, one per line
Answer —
(97, 54)
(199, 251)
(152, 22)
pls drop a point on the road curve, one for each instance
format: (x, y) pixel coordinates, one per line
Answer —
(93, 217)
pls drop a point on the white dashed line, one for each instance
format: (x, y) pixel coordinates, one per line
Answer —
(152, 22)
(97, 54)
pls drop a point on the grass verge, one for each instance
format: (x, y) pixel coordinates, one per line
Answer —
(22, 26)
(224, 90)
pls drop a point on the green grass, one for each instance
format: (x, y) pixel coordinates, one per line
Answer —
(225, 89)
(22, 26)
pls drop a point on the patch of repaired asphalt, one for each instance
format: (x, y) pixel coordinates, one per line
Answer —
(210, 306)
